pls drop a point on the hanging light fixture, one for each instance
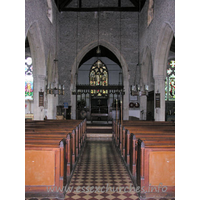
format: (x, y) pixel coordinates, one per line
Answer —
(51, 88)
(137, 89)
(98, 48)
(55, 90)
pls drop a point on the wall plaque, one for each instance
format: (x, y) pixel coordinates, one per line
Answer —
(157, 100)
(41, 98)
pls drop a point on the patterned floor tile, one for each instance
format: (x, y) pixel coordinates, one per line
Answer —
(103, 170)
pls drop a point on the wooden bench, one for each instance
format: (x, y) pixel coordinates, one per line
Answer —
(56, 150)
(139, 122)
(133, 145)
(44, 166)
(128, 140)
(156, 168)
(150, 128)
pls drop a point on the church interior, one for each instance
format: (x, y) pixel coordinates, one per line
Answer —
(100, 99)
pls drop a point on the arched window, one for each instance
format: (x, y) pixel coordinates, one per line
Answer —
(170, 81)
(99, 77)
(28, 79)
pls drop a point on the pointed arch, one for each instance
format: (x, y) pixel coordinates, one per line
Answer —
(123, 63)
(39, 73)
(160, 66)
(162, 50)
(49, 10)
(37, 49)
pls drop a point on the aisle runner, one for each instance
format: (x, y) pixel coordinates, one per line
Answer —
(100, 174)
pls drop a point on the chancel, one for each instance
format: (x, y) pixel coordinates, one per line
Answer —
(99, 89)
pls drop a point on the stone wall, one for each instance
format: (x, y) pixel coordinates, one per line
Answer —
(164, 12)
(74, 38)
(157, 37)
(68, 36)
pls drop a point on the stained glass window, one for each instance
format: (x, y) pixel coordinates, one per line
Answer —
(170, 81)
(28, 79)
(99, 77)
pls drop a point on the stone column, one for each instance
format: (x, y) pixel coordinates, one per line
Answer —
(126, 78)
(52, 103)
(143, 107)
(160, 88)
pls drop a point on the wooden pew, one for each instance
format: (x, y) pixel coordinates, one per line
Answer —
(159, 135)
(44, 167)
(156, 138)
(118, 133)
(44, 140)
(156, 168)
(53, 134)
(80, 131)
(139, 122)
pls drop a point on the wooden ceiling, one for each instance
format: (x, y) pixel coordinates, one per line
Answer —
(63, 5)
(104, 53)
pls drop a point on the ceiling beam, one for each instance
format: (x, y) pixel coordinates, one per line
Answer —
(119, 3)
(127, 9)
(80, 3)
(64, 4)
(135, 3)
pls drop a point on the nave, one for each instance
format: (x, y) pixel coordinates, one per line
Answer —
(99, 171)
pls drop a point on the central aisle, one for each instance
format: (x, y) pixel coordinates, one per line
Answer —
(99, 172)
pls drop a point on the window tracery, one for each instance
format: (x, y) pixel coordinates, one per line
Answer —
(170, 81)
(99, 77)
(28, 79)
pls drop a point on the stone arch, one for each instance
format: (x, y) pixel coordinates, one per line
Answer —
(160, 66)
(39, 71)
(162, 50)
(49, 10)
(123, 63)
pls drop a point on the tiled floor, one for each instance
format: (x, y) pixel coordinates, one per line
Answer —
(100, 174)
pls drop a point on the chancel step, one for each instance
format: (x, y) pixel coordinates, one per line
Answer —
(97, 131)
(99, 135)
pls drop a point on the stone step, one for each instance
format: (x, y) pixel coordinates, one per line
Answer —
(102, 139)
(99, 135)
(99, 127)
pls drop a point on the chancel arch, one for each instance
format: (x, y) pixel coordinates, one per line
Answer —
(120, 61)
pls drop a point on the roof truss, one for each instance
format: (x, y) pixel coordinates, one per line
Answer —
(63, 6)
